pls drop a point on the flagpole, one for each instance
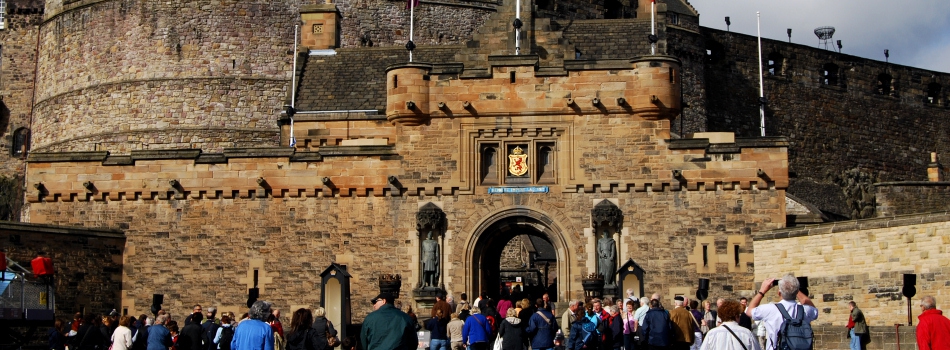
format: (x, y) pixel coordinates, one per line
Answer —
(758, 24)
(293, 88)
(412, 15)
(653, 25)
(517, 30)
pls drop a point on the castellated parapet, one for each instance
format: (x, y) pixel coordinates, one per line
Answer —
(133, 75)
(648, 87)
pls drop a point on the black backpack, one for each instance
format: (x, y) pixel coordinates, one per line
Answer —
(226, 334)
(795, 334)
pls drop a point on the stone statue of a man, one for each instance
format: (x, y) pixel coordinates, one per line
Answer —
(607, 257)
(430, 261)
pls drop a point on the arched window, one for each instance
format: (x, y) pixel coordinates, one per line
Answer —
(933, 93)
(21, 142)
(884, 81)
(774, 63)
(829, 74)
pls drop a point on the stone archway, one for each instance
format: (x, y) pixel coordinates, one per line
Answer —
(498, 228)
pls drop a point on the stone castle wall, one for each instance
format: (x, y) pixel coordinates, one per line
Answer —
(16, 79)
(902, 198)
(833, 128)
(862, 261)
(292, 225)
(121, 68)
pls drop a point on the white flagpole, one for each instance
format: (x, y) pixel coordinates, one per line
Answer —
(758, 24)
(412, 15)
(653, 25)
(293, 89)
(517, 31)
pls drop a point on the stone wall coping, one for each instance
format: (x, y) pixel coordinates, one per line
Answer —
(61, 230)
(214, 158)
(319, 8)
(419, 65)
(53, 157)
(912, 183)
(741, 142)
(853, 225)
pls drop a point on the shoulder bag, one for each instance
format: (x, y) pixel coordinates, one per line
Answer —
(332, 340)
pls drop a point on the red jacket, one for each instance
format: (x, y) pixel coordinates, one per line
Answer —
(933, 331)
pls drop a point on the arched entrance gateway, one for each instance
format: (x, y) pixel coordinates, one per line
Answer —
(531, 235)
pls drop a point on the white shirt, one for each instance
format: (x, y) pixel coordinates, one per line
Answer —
(122, 338)
(719, 338)
(773, 319)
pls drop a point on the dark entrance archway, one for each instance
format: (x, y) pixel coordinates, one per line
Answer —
(545, 257)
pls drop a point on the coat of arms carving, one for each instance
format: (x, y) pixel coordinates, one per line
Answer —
(517, 162)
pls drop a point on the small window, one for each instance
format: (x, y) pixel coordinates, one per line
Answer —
(884, 84)
(933, 93)
(829, 74)
(21, 142)
(395, 81)
(736, 256)
(674, 18)
(774, 63)
(489, 166)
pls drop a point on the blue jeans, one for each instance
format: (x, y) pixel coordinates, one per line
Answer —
(855, 341)
(439, 344)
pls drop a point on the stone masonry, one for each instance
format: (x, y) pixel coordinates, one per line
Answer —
(862, 261)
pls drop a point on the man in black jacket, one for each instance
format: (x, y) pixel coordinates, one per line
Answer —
(190, 337)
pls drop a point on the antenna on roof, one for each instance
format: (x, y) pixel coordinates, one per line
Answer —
(824, 35)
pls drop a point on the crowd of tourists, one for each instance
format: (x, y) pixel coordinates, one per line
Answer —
(509, 323)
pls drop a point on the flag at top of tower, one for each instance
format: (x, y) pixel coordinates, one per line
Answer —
(415, 3)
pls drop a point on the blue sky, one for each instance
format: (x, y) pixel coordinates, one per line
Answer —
(917, 32)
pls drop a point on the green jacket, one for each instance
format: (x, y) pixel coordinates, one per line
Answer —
(388, 328)
(860, 325)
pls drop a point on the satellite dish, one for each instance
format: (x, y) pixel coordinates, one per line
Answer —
(824, 35)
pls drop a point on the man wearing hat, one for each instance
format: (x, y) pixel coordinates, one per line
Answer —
(683, 325)
(387, 328)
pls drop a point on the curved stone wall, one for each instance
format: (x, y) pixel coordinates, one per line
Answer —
(128, 66)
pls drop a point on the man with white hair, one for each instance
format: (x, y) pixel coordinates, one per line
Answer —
(933, 330)
(630, 296)
(567, 319)
(641, 313)
(788, 289)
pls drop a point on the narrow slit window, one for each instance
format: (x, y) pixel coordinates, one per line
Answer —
(736, 247)
(512, 74)
(933, 93)
(705, 255)
(395, 81)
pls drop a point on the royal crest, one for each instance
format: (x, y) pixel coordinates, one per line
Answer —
(517, 162)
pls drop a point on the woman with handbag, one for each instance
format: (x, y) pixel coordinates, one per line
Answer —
(324, 329)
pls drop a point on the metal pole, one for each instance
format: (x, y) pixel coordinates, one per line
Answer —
(412, 15)
(653, 25)
(293, 89)
(517, 30)
(761, 83)
(897, 327)
(910, 315)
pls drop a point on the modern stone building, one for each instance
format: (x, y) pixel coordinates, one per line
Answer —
(513, 153)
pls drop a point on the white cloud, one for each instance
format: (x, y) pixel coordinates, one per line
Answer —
(915, 31)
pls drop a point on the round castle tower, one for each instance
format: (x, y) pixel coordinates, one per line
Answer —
(135, 74)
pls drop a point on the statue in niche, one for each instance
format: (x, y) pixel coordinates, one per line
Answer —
(430, 261)
(607, 257)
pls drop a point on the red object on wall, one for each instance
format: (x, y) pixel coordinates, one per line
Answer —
(42, 266)
(3, 261)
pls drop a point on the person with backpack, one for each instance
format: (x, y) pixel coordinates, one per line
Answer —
(222, 339)
(788, 323)
(657, 330)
